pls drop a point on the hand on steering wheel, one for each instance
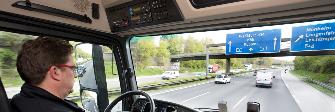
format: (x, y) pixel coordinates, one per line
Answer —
(131, 93)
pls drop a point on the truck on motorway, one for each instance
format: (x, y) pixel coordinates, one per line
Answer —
(170, 75)
(264, 79)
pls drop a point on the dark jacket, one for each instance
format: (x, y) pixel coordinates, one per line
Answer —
(35, 99)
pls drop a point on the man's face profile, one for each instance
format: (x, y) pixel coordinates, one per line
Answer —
(68, 75)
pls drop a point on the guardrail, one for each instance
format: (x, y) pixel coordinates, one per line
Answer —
(322, 84)
(159, 85)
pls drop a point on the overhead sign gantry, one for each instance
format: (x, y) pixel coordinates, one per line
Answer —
(306, 40)
(313, 37)
(264, 41)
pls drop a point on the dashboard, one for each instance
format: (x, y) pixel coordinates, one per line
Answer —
(142, 105)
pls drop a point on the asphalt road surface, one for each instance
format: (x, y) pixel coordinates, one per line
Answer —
(237, 93)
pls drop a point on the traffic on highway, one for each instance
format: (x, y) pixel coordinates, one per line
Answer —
(269, 81)
(167, 55)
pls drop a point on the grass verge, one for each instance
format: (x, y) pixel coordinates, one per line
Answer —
(10, 78)
(315, 76)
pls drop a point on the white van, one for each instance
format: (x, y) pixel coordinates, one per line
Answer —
(222, 79)
(264, 79)
(170, 75)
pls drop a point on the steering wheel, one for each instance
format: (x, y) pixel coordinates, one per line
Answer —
(131, 93)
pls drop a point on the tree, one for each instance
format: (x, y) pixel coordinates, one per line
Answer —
(175, 43)
(169, 37)
(328, 65)
(193, 46)
(7, 58)
(268, 62)
(237, 63)
(10, 44)
(13, 41)
(317, 64)
(143, 51)
(163, 54)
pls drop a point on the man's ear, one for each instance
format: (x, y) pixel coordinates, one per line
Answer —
(55, 73)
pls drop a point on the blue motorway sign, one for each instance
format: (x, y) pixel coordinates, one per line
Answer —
(313, 37)
(264, 41)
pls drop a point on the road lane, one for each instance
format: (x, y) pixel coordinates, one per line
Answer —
(237, 93)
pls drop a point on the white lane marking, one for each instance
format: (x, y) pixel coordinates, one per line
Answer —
(290, 90)
(195, 97)
(154, 94)
(181, 88)
(239, 102)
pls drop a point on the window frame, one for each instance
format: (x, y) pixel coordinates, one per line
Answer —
(22, 24)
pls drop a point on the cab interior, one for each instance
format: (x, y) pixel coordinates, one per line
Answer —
(113, 24)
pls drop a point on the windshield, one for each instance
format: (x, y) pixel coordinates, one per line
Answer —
(294, 82)
(219, 76)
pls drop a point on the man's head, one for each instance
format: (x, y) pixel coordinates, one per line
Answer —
(48, 62)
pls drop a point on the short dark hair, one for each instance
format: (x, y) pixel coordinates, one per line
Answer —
(37, 56)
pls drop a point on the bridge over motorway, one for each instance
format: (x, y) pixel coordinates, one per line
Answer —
(207, 55)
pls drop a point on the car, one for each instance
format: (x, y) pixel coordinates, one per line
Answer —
(255, 73)
(264, 79)
(170, 75)
(198, 74)
(222, 79)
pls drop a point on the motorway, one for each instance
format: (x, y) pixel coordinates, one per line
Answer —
(237, 93)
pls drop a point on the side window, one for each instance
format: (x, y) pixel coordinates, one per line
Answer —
(112, 77)
(10, 44)
(87, 81)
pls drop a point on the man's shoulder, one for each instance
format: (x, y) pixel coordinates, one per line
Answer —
(24, 103)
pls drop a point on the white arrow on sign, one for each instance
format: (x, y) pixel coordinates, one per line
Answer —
(251, 49)
(300, 37)
(229, 46)
(274, 44)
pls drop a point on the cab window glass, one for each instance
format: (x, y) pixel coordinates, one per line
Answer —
(10, 44)
(254, 74)
(84, 58)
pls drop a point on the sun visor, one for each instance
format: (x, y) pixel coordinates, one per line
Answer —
(89, 14)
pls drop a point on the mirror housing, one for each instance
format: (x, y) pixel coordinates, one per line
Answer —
(253, 107)
(81, 70)
(223, 106)
(88, 99)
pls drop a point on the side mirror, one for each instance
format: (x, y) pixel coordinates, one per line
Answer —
(81, 70)
(88, 99)
(253, 107)
(273, 76)
(85, 70)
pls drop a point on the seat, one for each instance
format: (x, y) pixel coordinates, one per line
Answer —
(4, 102)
